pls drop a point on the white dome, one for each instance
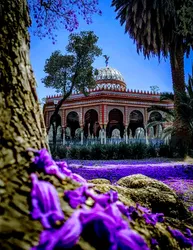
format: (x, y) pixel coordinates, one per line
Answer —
(109, 73)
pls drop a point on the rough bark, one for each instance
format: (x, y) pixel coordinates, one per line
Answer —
(177, 68)
(20, 127)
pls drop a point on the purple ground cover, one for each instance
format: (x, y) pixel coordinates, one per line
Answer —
(177, 175)
(113, 174)
(104, 220)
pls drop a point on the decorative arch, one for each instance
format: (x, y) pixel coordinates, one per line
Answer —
(155, 116)
(91, 124)
(72, 121)
(56, 119)
(136, 120)
(115, 121)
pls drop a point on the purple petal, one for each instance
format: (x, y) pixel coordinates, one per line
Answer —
(188, 232)
(143, 209)
(45, 162)
(64, 237)
(154, 242)
(45, 203)
(130, 240)
(103, 199)
(153, 218)
(182, 240)
(64, 168)
(78, 178)
(76, 197)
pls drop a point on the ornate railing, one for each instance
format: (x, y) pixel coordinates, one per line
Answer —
(110, 141)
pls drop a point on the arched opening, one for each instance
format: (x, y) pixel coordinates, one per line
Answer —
(72, 122)
(115, 122)
(91, 126)
(136, 121)
(56, 119)
(155, 116)
(55, 128)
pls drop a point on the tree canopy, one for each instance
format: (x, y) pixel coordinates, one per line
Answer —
(49, 15)
(157, 25)
(73, 71)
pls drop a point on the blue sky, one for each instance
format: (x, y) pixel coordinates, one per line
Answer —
(139, 73)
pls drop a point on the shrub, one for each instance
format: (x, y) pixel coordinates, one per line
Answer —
(150, 151)
(96, 152)
(138, 151)
(84, 153)
(60, 152)
(165, 151)
(73, 153)
(112, 152)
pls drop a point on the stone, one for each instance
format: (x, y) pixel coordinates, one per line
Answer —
(154, 194)
(99, 181)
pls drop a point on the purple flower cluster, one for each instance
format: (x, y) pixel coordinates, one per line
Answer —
(44, 162)
(102, 225)
(50, 15)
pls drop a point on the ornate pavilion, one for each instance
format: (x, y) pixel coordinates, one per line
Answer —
(109, 112)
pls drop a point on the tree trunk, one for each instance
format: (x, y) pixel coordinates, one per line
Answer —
(177, 68)
(20, 127)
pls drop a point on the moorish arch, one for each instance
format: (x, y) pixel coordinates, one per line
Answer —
(57, 121)
(91, 124)
(115, 121)
(155, 116)
(72, 122)
(136, 120)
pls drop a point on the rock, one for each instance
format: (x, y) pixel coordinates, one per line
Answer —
(154, 194)
(99, 181)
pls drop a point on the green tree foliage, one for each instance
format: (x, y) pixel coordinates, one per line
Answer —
(72, 71)
(154, 88)
(161, 28)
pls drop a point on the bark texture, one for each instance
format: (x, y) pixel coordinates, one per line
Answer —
(177, 68)
(20, 127)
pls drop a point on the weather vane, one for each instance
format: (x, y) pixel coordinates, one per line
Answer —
(106, 59)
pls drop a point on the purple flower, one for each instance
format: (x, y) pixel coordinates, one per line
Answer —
(78, 178)
(143, 209)
(76, 197)
(64, 168)
(103, 199)
(153, 218)
(191, 208)
(45, 162)
(182, 240)
(45, 203)
(64, 237)
(188, 232)
(154, 242)
(128, 239)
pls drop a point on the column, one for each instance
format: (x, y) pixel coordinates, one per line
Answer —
(63, 118)
(64, 135)
(82, 135)
(81, 118)
(105, 135)
(126, 135)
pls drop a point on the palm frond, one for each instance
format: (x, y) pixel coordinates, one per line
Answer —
(167, 96)
(154, 123)
(167, 132)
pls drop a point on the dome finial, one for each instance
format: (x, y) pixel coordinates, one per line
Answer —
(106, 60)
